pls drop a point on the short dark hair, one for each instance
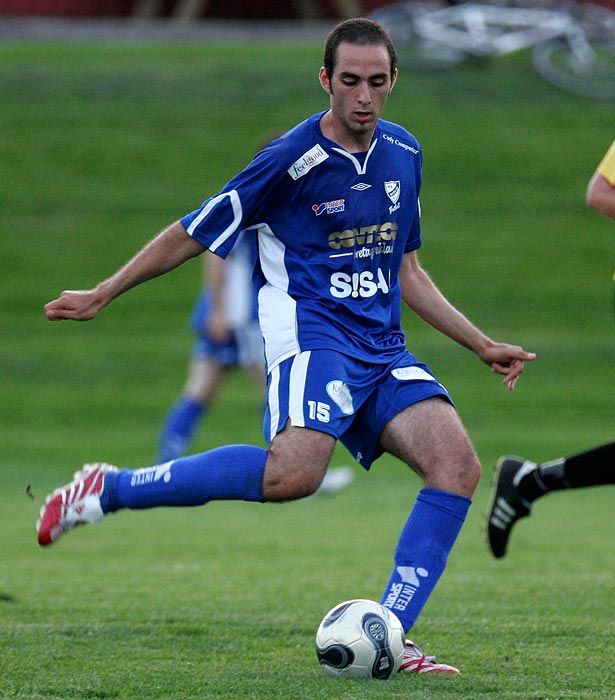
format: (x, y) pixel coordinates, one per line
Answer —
(361, 31)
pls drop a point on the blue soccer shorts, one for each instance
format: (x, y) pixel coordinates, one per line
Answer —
(352, 400)
(243, 348)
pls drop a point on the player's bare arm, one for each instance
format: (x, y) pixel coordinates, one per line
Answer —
(217, 325)
(421, 294)
(166, 251)
(600, 195)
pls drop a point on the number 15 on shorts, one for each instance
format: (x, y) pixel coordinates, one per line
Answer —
(319, 411)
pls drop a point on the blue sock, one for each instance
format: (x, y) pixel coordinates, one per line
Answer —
(179, 427)
(233, 472)
(422, 551)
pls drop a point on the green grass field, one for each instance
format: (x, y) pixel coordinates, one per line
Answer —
(103, 145)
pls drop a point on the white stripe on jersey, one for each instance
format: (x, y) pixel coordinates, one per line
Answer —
(271, 254)
(230, 230)
(296, 389)
(361, 169)
(277, 310)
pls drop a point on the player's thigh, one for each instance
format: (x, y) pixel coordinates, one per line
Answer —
(296, 463)
(430, 437)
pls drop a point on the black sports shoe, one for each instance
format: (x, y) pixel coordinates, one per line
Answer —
(507, 506)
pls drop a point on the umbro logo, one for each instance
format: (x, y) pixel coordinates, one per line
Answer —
(360, 186)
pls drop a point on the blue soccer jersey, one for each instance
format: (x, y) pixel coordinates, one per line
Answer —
(332, 229)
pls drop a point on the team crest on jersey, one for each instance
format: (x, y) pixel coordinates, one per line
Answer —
(310, 159)
(332, 207)
(393, 190)
(340, 393)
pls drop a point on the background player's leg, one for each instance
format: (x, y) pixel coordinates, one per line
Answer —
(590, 468)
(205, 376)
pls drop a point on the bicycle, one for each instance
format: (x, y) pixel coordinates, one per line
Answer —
(572, 43)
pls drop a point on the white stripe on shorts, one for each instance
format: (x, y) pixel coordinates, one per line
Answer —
(296, 390)
(274, 402)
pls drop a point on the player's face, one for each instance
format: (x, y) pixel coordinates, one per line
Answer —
(358, 88)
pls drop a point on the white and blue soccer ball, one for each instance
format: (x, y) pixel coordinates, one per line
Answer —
(360, 639)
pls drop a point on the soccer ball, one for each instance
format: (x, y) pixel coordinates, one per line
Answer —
(360, 639)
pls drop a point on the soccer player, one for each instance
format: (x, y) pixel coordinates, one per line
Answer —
(519, 482)
(334, 207)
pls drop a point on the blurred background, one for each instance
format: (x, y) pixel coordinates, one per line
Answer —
(118, 117)
(202, 9)
(190, 9)
(194, 9)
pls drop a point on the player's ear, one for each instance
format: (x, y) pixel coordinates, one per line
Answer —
(324, 80)
(393, 80)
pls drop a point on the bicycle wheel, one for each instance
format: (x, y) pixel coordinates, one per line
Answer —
(557, 64)
(414, 51)
(597, 22)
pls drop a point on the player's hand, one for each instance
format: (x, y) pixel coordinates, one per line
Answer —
(217, 327)
(508, 360)
(74, 305)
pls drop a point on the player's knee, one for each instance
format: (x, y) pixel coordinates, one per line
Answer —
(460, 476)
(467, 471)
(290, 486)
(296, 464)
(471, 473)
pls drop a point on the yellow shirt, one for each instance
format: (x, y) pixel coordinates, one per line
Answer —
(607, 166)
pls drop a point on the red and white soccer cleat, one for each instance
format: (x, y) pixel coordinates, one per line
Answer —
(77, 503)
(415, 661)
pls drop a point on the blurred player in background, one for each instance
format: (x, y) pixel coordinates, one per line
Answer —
(519, 482)
(225, 322)
(334, 206)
